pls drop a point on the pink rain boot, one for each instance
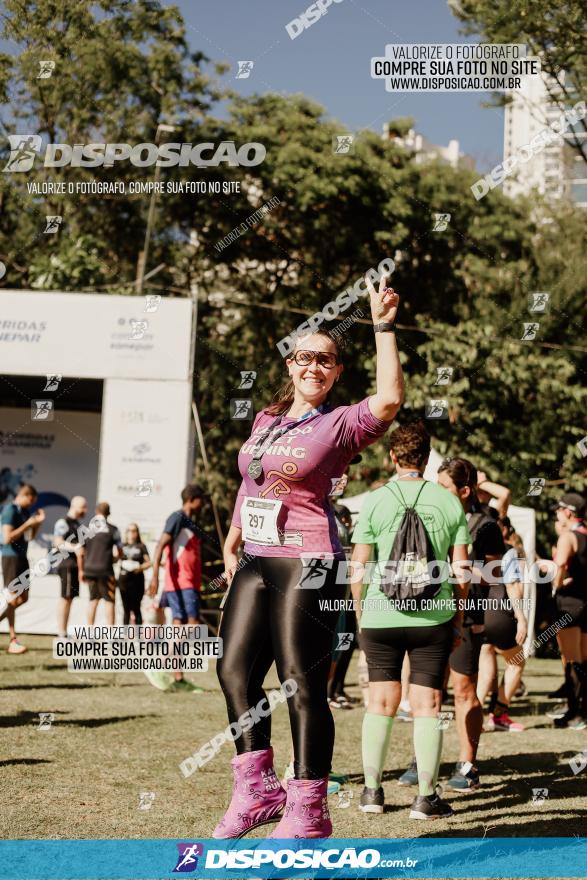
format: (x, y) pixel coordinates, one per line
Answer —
(306, 811)
(257, 795)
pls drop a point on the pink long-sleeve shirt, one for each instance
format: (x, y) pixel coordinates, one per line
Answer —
(300, 470)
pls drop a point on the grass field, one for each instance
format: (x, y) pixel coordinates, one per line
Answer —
(114, 736)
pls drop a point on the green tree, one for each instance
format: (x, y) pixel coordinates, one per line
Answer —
(337, 215)
(120, 69)
(555, 32)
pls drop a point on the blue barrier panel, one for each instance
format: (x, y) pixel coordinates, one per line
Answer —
(446, 857)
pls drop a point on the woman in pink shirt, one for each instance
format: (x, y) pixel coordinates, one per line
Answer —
(275, 609)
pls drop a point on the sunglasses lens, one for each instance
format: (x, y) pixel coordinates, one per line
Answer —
(323, 359)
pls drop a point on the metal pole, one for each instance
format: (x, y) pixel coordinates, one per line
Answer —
(162, 127)
(197, 422)
(207, 470)
(150, 217)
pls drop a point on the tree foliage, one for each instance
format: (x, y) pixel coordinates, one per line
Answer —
(121, 69)
(554, 32)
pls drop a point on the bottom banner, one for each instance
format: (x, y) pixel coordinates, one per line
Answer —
(526, 857)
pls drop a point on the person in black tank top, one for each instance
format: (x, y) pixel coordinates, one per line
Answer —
(570, 590)
(131, 581)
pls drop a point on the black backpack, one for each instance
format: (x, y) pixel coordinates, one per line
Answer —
(412, 560)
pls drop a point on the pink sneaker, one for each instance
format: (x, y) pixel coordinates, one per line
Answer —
(306, 811)
(504, 722)
(14, 647)
(257, 795)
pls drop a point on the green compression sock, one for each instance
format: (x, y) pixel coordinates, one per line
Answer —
(428, 748)
(375, 742)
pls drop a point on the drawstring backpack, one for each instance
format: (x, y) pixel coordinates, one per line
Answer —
(413, 559)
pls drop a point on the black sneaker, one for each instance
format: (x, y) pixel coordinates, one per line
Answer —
(559, 693)
(558, 711)
(465, 777)
(372, 800)
(430, 806)
(566, 720)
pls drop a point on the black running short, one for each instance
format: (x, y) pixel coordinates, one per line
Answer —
(13, 567)
(102, 588)
(69, 577)
(428, 648)
(500, 622)
(573, 606)
(500, 630)
(465, 658)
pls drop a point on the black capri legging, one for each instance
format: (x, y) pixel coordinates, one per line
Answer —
(268, 618)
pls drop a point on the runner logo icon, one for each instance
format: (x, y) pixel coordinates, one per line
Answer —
(538, 302)
(343, 143)
(314, 572)
(244, 69)
(187, 861)
(444, 375)
(437, 409)
(23, 150)
(345, 641)
(441, 222)
(52, 383)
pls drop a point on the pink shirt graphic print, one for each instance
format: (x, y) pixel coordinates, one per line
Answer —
(299, 470)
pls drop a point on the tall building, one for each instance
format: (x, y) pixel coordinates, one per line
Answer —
(557, 171)
(425, 151)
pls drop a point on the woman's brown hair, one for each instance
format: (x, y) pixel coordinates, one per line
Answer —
(283, 399)
(134, 526)
(463, 473)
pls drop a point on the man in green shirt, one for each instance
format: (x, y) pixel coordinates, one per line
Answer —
(426, 633)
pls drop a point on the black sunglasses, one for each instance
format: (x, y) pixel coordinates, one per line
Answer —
(325, 359)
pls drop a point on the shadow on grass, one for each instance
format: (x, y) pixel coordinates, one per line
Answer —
(515, 789)
(27, 718)
(549, 826)
(72, 686)
(513, 786)
(393, 808)
(23, 762)
(40, 667)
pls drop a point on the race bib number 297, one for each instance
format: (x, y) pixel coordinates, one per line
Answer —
(259, 521)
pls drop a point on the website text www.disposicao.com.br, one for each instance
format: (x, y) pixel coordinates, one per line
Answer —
(332, 859)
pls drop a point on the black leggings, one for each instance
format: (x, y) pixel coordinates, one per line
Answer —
(132, 591)
(267, 619)
(336, 683)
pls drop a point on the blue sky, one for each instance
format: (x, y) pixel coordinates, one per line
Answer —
(330, 62)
